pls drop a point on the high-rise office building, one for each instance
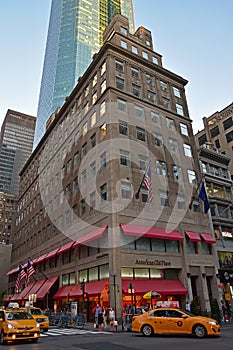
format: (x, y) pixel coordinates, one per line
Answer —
(16, 141)
(74, 36)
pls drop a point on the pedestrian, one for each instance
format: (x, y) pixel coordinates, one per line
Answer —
(224, 309)
(97, 310)
(104, 311)
(111, 318)
(187, 306)
(100, 320)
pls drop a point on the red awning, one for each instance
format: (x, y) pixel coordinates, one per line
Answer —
(92, 288)
(63, 292)
(51, 254)
(26, 291)
(160, 286)
(208, 238)
(46, 287)
(132, 230)
(193, 236)
(65, 248)
(7, 298)
(90, 236)
(41, 258)
(12, 271)
(15, 297)
(35, 288)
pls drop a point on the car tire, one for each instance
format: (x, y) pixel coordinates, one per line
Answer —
(199, 331)
(35, 340)
(2, 341)
(147, 330)
(45, 330)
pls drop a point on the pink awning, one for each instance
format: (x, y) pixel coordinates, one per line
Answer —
(92, 288)
(193, 236)
(157, 285)
(12, 271)
(132, 230)
(208, 238)
(51, 254)
(90, 236)
(65, 248)
(26, 291)
(41, 258)
(63, 292)
(46, 287)
(35, 288)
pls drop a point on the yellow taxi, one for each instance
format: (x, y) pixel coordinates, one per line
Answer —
(17, 325)
(174, 321)
(39, 316)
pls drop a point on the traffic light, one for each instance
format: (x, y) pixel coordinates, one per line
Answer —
(82, 286)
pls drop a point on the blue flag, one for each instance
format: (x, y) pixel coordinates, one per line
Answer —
(204, 197)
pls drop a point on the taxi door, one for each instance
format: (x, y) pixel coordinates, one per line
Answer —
(175, 323)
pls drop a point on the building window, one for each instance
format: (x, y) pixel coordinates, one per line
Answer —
(124, 44)
(144, 193)
(145, 55)
(229, 136)
(123, 128)
(166, 103)
(176, 91)
(93, 119)
(179, 109)
(177, 172)
(103, 86)
(120, 83)
(93, 140)
(155, 60)
(217, 144)
(170, 123)
(75, 185)
(214, 132)
(103, 192)
(149, 79)
(227, 123)
(157, 139)
(181, 201)
(94, 98)
(122, 105)
(92, 200)
(103, 68)
(191, 247)
(155, 117)
(173, 145)
(94, 80)
(134, 50)
(82, 207)
(84, 177)
(192, 177)
(187, 150)
(102, 108)
(123, 30)
(103, 161)
(141, 134)
(84, 149)
(136, 90)
(196, 206)
(134, 72)
(93, 169)
(139, 111)
(151, 97)
(161, 168)
(163, 85)
(119, 65)
(183, 129)
(85, 129)
(103, 131)
(68, 166)
(143, 162)
(124, 157)
(68, 192)
(164, 198)
(126, 190)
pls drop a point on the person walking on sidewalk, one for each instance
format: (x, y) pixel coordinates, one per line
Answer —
(100, 320)
(111, 318)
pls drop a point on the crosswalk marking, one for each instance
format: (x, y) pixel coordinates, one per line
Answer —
(57, 332)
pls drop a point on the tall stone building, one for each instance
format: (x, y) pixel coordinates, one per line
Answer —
(75, 34)
(105, 196)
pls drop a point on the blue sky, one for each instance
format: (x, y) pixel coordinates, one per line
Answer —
(193, 36)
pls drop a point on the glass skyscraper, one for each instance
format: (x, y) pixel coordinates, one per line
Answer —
(75, 33)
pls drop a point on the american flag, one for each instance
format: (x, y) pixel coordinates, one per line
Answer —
(148, 183)
(20, 277)
(30, 271)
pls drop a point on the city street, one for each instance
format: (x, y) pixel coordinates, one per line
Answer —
(60, 339)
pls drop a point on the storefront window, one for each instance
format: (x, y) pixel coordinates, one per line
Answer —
(127, 272)
(82, 276)
(170, 274)
(127, 242)
(157, 245)
(191, 247)
(72, 278)
(143, 243)
(141, 273)
(205, 248)
(65, 279)
(172, 246)
(104, 271)
(155, 273)
(93, 274)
